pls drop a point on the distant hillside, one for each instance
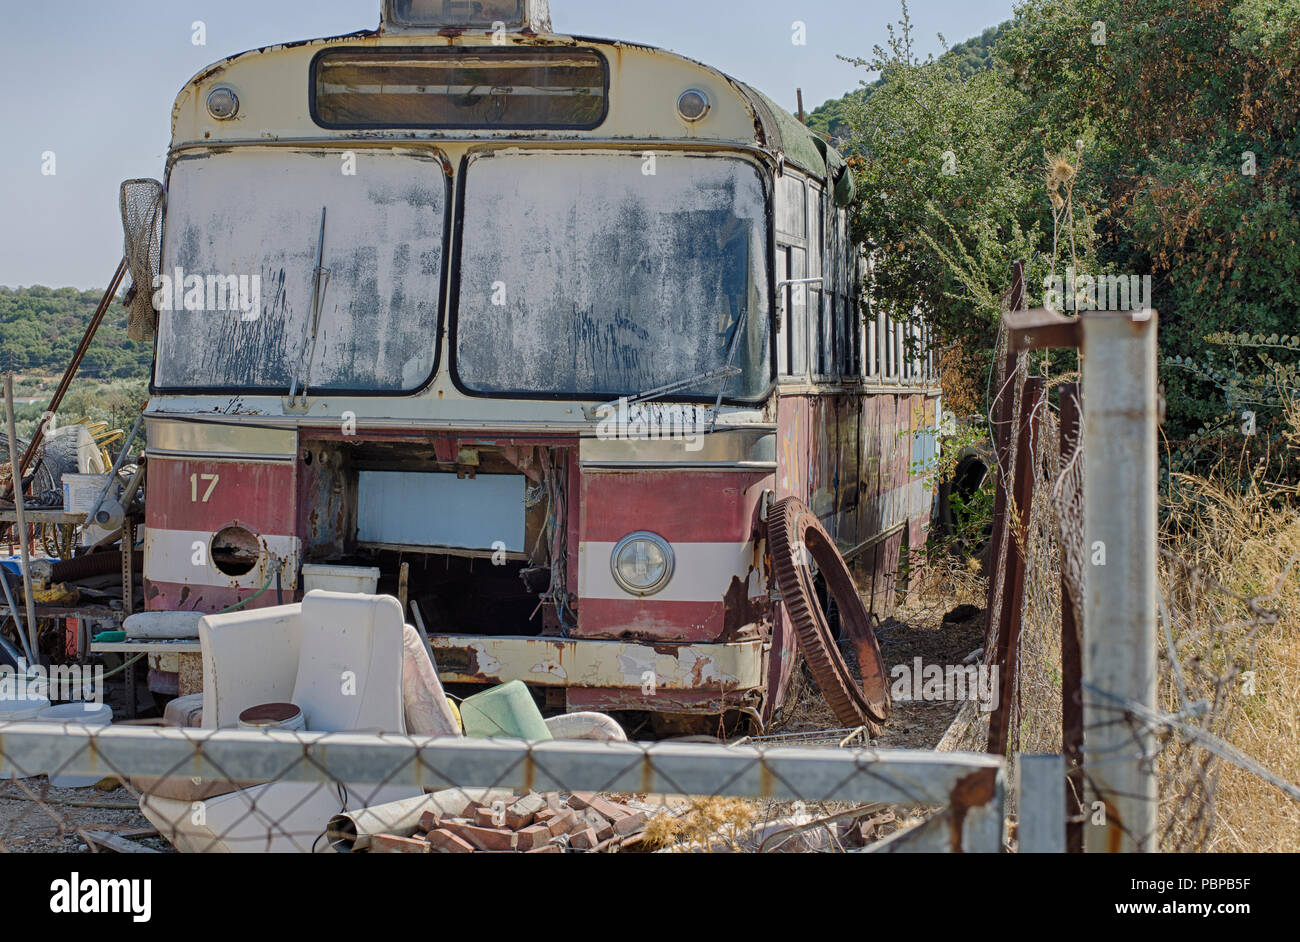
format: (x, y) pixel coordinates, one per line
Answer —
(40, 328)
(974, 55)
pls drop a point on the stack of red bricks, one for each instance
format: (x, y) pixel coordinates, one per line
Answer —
(530, 824)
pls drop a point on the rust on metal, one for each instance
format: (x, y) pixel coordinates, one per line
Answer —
(1071, 653)
(974, 791)
(1041, 329)
(1013, 584)
(795, 534)
(1002, 413)
(741, 614)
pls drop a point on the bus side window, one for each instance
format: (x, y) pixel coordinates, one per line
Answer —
(821, 254)
(905, 352)
(792, 262)
(797, 304)
(785, 336)
(891, 349)
(792, 207)
(872, 364)
(900, 370)
(848, 317)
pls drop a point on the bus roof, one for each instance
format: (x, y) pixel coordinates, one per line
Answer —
(276, 72)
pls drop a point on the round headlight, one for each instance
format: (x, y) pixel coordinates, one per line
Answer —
(642, 563)
(693, 105)
(223, 104)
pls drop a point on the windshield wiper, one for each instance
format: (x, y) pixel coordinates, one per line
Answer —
(722, 373)
(319, 284)
(730, 369)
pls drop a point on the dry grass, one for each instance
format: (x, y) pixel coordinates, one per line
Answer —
(962, 375)
(706, 822)
(1247, 542)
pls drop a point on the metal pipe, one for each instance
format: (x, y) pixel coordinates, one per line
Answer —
(1121, 596)
(13, 652)
(20, 511)
(18, 622)
(117, 466)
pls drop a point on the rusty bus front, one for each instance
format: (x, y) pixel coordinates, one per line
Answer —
(516, 319)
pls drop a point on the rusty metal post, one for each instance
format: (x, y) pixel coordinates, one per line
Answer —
(20, 513)
(1071, 656)
(1013, 586)
(128, 566)
(1003, 413)
(1121, 598)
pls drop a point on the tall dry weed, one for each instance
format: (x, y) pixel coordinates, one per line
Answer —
(1238, 646)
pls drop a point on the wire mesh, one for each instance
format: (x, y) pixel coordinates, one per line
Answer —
(237, 790)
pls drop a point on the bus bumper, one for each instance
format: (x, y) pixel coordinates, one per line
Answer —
(643, 670)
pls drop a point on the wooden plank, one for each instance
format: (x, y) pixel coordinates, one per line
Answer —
(116, 842)
(149, 647)
(46, 516)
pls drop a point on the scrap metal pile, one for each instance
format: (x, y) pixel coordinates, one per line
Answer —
(528, 824)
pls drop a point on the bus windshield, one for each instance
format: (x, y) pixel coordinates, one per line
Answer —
(601, 275)
(241, 243)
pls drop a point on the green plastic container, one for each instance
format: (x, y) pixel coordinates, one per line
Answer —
(505, 712)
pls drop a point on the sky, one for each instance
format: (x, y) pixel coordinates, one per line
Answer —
(92, 82)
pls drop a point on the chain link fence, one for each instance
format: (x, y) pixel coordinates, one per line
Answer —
(251, 790)
(1211, 657)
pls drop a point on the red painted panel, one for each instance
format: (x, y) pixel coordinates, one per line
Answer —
(258, 496)
(175, 597)
(681, 506)
(850, 415)
(646, 619)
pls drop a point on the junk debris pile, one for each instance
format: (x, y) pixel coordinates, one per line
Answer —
(528, 824)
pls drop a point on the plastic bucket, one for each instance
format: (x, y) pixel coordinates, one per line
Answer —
(356, 579)
(77, 714)
(22, 711)
(81, 490)
(286, 716)
(505, 712)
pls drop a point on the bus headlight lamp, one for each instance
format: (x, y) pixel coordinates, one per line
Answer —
(223, 103)
(693, 104)
(642, 563)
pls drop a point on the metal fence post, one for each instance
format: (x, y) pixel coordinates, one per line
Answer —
(1012, 591)
(1119, 622)
(1041, 805)
(1071, 656)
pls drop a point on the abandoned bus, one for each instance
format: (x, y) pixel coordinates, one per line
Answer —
(535, 333)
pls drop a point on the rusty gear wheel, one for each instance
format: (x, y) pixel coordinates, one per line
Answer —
(795, 536)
